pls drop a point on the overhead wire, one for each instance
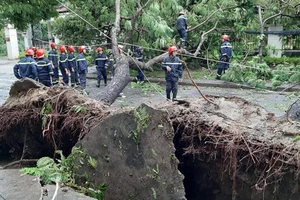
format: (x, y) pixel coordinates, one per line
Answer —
(120, 43)
(158, 50)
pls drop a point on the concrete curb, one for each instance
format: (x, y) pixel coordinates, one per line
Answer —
(215, 83)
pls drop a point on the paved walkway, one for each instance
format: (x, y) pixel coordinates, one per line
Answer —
(16, 186)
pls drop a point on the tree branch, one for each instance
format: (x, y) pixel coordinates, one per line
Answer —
(210, 16)
(126, 18)
(275, 15)
(134, 18)
(202, 38)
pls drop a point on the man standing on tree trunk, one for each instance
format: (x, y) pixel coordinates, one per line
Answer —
(182, 28)
(173, 71)
(225, 55)
(82, 66)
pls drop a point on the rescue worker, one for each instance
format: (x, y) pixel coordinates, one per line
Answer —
(63, 64)
(139, 56)
(173, 71)
(225, 55)
(82, 66)
(182, 28)
(72, 66)
(26, 67)
(44, 68)
(101, 62)
(53, 57)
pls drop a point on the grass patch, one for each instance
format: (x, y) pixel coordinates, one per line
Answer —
(278, 106)
(147, 87)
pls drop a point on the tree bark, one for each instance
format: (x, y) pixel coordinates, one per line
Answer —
(121, 78)
(202, 38)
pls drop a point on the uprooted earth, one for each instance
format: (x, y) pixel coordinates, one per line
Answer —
(221, 149)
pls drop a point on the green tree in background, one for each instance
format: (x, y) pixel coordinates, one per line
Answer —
(21, 12)
(2, 43)
(147, 23)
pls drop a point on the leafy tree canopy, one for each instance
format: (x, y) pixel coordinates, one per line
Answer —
(24, 12)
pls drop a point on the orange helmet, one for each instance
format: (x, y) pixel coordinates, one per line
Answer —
(81, 48)
(62, 48)
(99, 49)
(40, 53)
(71, 48)
(171, 49)
(52, 45)
(29, 52)
(225, 37)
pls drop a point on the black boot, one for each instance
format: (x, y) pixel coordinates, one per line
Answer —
(174, 97)
(168, 96)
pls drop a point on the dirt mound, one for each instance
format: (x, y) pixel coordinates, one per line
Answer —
(229, 149)
(35, 120)
(135, 156)
(235, 150)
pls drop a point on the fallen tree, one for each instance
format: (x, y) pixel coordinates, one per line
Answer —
(246, 153)
(227, 149)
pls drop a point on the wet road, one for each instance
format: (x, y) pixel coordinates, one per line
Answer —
(270, 100)
(6, 78)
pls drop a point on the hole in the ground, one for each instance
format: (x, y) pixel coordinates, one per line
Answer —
(5, 157)
(199, 179)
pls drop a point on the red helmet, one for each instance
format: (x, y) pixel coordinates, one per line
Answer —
(52, 45)
(81, 48)
(29, 52)
(225, 37)
(171, 49)
(99, 49)
(40, 53)
(71, 48)
(33, 48)
(62, 48)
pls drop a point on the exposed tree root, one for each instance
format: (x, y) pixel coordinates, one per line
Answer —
(229, 141)
(240, 144)
(55, 117)
(20, 163)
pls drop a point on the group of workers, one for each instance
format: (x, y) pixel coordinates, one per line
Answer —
(45, 70)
